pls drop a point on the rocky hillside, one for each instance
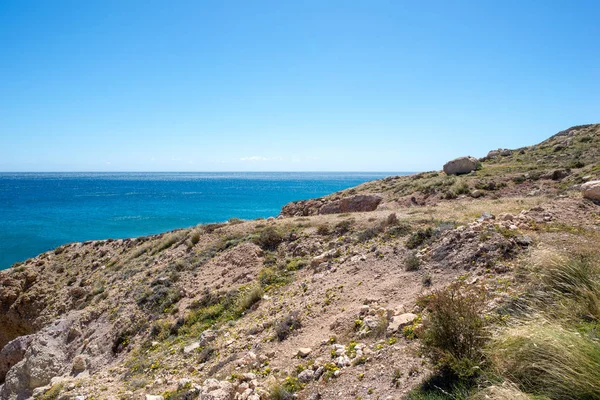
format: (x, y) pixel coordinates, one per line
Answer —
(343, 297)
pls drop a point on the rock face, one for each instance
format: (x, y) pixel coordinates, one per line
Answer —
(461, 165)
(11, 354)
(362, 202)
(357, 203)
(44, 359)
(591, 190)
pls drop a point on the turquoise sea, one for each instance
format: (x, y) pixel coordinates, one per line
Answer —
(40, 211)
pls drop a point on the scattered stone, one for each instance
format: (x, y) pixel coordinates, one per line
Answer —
(524, 240)
(303, 352)
(79, 364)
(191, 347)
(400, 321)
(306, 376)
(207, 336)
(486, 216)
(154, 397)
(477, 193)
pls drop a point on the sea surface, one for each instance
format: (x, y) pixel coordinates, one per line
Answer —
(40, 211)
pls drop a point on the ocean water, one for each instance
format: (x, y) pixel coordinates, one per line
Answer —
(40, 211)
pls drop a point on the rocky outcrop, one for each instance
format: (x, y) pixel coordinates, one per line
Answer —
(11, 354)
(44, 359)
(357, 203)
(461, 165)
(591, 190)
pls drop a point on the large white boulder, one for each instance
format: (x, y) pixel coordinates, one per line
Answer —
(591, 190)
(461, 165)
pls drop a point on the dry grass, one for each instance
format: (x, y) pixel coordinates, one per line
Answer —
(544, 358)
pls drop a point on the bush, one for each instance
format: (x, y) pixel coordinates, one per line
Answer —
(419, 237)
(195, 237)
(268, 238)
(412, 263)
(368, 234)
(279, 392)
(549, 360)
(250, 298)
(454, 332)
(344, 226)
(323, 230)
(286, 326)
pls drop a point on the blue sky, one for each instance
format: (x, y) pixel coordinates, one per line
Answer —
(288, 85)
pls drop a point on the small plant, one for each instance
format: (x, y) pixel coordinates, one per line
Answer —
(286, 326)
(344, 226)
(412, 263)
(268, 238)
(396, 378)
(195, 237)
(279, 392)
(323, 230)
(427, 280)
(250, 298)
(419, 237)
(368, 234)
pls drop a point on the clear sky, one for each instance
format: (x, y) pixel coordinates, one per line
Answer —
(323, 85)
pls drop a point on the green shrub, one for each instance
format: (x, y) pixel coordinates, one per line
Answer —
(195, 237)
(279, 392)
(419, 237)
(454, 332)
(268, 238)
(286, 326)
(402, 229)
(344, 226)
(412, 263)
(368, 234)
(323, 230)
(252, 296)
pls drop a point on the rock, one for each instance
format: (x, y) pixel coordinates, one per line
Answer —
(461, 165)
(191, 347)
(343, 361)
(351, 204)
(524, 240)
(79, 363)
(12, 353)
(154, 397)
(306, 376)
(303, 352)
(477, 193)
(486, 216)
(400, 321)
(207, 336)
(44, 359)
(591, 190)
(217, 390)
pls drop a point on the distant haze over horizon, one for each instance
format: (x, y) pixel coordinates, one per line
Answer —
(288, 86)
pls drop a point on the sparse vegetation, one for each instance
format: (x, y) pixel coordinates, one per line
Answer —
(287, 325)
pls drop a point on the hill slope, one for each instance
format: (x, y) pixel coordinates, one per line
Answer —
(321, 302)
